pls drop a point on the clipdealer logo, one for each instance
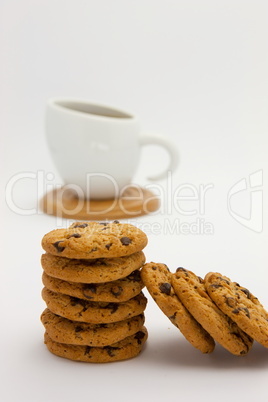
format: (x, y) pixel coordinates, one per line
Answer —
(184, 204)
(251, 191)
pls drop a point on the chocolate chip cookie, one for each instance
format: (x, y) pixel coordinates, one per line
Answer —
(93, 312)
(240, 305)
(192, 292)
(115, 291)
(157, 279)
(91, 271)
(89, 240)
(63, 330)
(127, 348)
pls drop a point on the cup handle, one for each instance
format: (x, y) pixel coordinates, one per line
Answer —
(152, 139)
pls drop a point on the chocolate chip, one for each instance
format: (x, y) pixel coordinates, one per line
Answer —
(172, 317)
(75, 235)
(247, 292)
(125, 241)
(224, 280)
(116, 290)
(92, 287)
(78, 328)
(108, 246)
(237, 310)
(135, 276)
(87, 350)
(154, 268)
(110, 350)
(87, 296)
(74, 300)
(139, 336)
(103, 326)
(93, 249)
(246, 311)
(86, 304)
(58, 247)
(113, 307)
(116, 221)
(103, 223)
(89, 288)
(83, 225)
(181, 269)
(240, 338)
(230, 301)
(167, 268)
(216, 286)
(165, 288)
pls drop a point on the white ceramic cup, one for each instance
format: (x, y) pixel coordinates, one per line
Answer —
(97, 147)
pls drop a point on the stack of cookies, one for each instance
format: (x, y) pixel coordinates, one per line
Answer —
(208, 310)
(93, 291)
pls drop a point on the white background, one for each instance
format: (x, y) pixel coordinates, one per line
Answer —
(195, 71)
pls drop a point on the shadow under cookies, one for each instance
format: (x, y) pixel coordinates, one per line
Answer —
(175, 351)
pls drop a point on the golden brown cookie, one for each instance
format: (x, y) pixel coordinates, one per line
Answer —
(93, 312)
(126, 349)
(240, 305)
(157, 279)
(63, 330)
(192, 292)
(95, 240)
(91, 271)
(115, 291)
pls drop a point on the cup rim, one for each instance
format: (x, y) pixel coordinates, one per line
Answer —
(58, 103)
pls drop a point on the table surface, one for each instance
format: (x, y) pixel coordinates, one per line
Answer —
(196, 73)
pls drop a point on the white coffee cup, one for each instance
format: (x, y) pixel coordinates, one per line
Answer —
(97, 147)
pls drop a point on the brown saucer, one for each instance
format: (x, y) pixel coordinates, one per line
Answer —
(135, 201)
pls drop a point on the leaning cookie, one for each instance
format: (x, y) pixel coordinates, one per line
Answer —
(93, 312)
(95, 240)
(115, 291)
(126, 349)
(63, 330)
(192, 292)
(240, 305)
(157, 279)
(92, 270)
